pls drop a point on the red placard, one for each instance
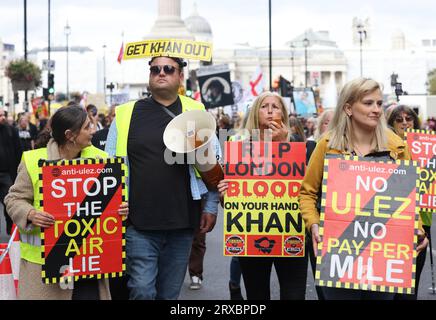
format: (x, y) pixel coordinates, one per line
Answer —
(87, 237)
(422, 146)
(261, 210)
(369, 223)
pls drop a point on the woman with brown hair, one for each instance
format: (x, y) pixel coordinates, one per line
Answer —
(400, 119)
(71, 133)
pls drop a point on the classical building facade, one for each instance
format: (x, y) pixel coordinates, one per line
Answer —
(328, 65)
(7, 53)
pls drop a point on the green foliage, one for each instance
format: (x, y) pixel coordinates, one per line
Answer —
(24, 71)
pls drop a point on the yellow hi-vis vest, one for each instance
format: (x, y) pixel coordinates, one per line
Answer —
(30, 241)
(426, 218)
(123, 115)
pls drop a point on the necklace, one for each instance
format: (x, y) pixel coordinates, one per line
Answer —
(360, 153)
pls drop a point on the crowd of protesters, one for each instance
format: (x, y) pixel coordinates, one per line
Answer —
(323, 134)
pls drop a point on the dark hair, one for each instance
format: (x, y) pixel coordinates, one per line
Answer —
(216, 84)
(66, 118)
(179, 61)
(43, 137)
(397, 113)
(296, 123)
(92, 108)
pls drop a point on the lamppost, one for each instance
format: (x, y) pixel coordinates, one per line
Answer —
(306, 43)
(67, 31)
(26, 107)
(362, 33)
(292, 62)
(104, 72)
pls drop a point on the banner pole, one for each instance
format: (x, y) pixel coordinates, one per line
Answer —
(432, 289)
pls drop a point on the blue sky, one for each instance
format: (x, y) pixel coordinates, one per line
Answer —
(97, 22)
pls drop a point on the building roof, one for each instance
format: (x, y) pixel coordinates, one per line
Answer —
(62, 49)
(321, 38)
(196, 24)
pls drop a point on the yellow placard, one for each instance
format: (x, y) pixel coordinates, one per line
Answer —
(168, 47)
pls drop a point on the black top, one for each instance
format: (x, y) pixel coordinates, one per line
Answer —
(99, 138)
(26, 136)
(10, 150)
(160, 194)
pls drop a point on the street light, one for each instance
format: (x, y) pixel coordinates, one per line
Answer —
(67, 31)
(292, 61)
(306, 43)
(26, 107)
(362, 33)
(104, 72)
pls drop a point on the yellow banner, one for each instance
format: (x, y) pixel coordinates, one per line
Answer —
(268, 214)
(169, 47)
(262, 218)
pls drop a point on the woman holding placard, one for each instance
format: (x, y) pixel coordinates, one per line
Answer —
(268, 118)
(358, 128)
(71, 134)
(400, 119)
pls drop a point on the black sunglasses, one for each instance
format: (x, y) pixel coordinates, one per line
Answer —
(400, 120)
(168, 69)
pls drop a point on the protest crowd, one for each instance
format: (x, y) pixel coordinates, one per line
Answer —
(157, 213)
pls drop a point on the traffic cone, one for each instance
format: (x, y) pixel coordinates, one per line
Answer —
(14, 253)
(7, 288)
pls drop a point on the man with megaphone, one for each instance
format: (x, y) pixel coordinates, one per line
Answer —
(164, 199)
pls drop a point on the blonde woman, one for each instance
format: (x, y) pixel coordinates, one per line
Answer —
(268, 117)
(323, 124)
(358, 128)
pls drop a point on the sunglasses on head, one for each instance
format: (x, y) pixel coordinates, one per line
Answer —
(400, 120)
(168, 69)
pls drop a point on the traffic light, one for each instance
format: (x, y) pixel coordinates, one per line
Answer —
(45, 93)
(188, 88)
(394, 79)
(285, 87)
(51, 84)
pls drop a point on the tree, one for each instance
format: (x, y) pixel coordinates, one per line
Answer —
(432, 82)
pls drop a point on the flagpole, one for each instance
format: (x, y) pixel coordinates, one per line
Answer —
(433, 288)
(122, 66)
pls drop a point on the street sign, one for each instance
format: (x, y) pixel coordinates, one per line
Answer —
(48, 65)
